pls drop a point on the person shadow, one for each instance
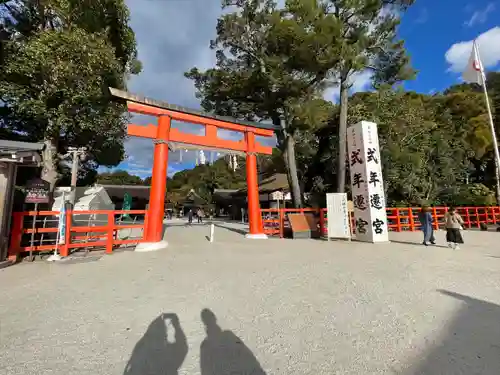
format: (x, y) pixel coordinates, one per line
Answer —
(159, 351)
(222, 352)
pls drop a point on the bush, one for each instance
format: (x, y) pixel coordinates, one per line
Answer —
(473, 195)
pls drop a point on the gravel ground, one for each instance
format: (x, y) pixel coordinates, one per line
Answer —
(269, 307)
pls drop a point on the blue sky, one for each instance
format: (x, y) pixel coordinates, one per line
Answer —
(438, 35)
(432, 27)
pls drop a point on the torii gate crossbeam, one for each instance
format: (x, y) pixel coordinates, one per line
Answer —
(162, 134)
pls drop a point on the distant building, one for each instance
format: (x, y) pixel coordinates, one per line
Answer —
(274, 192)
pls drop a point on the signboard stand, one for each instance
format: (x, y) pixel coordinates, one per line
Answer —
(37, 191)
(367, 184)
(33, 228)
(300, 226)
(338, 216)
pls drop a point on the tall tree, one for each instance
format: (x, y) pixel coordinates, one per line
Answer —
(367, 40)
(265, 71)
(58, 59)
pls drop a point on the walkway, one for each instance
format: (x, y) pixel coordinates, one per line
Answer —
(283, 307)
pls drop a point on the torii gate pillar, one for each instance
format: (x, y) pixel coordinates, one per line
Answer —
(154, 231)
(254, 216)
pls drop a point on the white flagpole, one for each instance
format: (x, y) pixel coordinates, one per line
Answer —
(492, 126)
(494, 137)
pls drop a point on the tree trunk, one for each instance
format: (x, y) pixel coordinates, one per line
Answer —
(291, 167)
(497, 182)
(49, 160)
(287, 144)
(341, 168)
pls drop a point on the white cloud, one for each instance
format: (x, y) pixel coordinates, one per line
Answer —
(172, 37)
(480, 16)
(423, 16)
(458, 54)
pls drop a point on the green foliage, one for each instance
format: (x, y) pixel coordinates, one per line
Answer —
(204, 179)
(118, 177)
(265, 68)
(58, 82)
(58, 59)
(472, 195)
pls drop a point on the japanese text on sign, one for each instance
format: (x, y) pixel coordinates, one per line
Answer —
(367, 184)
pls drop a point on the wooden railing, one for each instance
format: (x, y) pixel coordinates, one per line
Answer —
(399, 219)
(84, 229)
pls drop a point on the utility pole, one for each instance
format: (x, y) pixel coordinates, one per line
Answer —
(77, 154)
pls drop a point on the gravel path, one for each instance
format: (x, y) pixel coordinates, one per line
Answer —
(276, 307)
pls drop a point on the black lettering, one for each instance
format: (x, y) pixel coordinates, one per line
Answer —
(377, 226)
(375, 201)
(360, 226)
(355, 157)
(373, 179)
(357, 180)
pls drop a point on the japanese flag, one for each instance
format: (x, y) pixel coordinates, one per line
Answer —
(474, 72)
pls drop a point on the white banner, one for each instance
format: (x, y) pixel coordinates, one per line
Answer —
(338, 215)
(62, 221)
(367, 183)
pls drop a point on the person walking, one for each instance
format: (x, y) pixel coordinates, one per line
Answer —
(200, 215)
(454, 224)
(190, 216)
(426, 221)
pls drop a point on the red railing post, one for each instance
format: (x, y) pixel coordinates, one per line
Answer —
(493, 214)
(16, 236)
(64, 249)
(281, 218)
(398, 220)
(412, 220)
(467, 217)
(435, 218)
(478, 221)
(110, 232)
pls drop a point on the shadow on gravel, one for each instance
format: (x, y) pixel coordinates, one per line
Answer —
(224, 353)
(471, 343)
(160, 351)
(418, 243)
(235, 230)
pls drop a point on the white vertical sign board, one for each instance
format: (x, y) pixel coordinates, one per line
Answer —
(367, 183)
(338, 216)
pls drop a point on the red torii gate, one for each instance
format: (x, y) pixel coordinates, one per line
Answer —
(162, 134)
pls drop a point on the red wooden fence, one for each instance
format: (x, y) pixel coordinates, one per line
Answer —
(104, 235)
(275, 223)
(399, 219)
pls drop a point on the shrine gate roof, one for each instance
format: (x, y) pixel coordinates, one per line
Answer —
(175, 108)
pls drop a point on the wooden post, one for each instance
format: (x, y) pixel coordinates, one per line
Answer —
(321, 223)
(16, 236)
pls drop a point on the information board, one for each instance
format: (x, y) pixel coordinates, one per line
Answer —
(338, 216)
(37, 191)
